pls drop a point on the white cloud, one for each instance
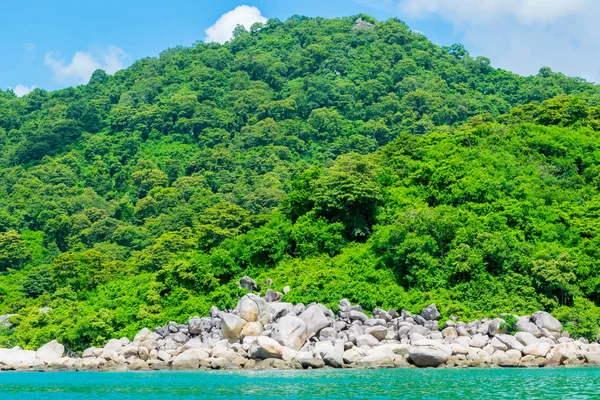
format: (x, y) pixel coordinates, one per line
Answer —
(222, 30)
(477, 11)
(83, 64)
(22, 90)
(522, 35)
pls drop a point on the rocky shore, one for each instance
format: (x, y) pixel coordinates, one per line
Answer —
(264, 333)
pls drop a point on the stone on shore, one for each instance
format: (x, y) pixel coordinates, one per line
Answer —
(291, 332)
(50, 352)
(429, 353)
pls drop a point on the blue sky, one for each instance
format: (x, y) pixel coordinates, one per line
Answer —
(53, 44)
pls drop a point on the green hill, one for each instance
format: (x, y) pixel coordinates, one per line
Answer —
(341, 159)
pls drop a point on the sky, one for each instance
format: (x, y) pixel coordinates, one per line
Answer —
(59, 43)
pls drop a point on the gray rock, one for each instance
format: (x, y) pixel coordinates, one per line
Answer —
(280, 309)
(353, 355)
(430, 313)
(214, 312)
(429, 353)
(286, 290)
(524, 325)
(510, 341)
(248, 283)
(525, 338)
(366, 340)
(291, 332)
(355, 315)
(315, 319)
(378, 332)
(331, 354)
(546, 321)
(232, 327)
(4, 320)
(419, 320)
(495, 327)
(272, 296)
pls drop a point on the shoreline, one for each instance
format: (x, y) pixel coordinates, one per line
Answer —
(264, 333)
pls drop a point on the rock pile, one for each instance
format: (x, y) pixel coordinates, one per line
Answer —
(263, 332)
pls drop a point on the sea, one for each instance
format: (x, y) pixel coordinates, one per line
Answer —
(468, 384)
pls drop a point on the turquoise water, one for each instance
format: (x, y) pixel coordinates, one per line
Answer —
(471, 384)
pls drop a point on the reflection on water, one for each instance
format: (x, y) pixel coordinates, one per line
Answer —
(468, 384)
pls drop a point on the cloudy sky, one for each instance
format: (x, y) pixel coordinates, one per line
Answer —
(54, 44)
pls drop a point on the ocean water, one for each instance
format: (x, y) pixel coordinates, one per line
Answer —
(469, 384)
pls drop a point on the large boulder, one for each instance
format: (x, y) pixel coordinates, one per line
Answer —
(429, 353)
(525, 338)
(546, 321)
(537, 349)
(189, 359)
(265, 347)
(592, 358)
(50, 352)
(253, 308)
(232, 326)
(525, 325)
(430, 313)
(315, 319)
(331, 353)
(291, 332)
(17, 358)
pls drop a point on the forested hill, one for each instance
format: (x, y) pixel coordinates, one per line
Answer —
(343, 157)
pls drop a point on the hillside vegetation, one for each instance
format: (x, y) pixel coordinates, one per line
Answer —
(343, 160)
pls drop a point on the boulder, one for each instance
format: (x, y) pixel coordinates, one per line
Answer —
(315, 319)
(17, 358)
(251, 329)
(272, 296)
(378, 332)
(529, 327)
(430, 313)
(495, 327)
(510, 341)
(544, 320)
(479, 341)
(264, 347)
(537, 349)
(366, 340)
(353, 355)
(253, 308)
(280, 309)
(145, 334)
(50, 352)
(248, 283)
(331, 354)
(356, 315)
(429, 353)
(526, 338)
(450, 332)
(232, 327)
(189, 359)
(291, 332)
(592, 358)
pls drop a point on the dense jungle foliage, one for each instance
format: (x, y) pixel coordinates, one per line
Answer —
(343, 160)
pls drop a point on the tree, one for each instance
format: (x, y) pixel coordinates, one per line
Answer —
(13, 251)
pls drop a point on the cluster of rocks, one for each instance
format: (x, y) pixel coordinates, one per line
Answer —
(264, 332)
